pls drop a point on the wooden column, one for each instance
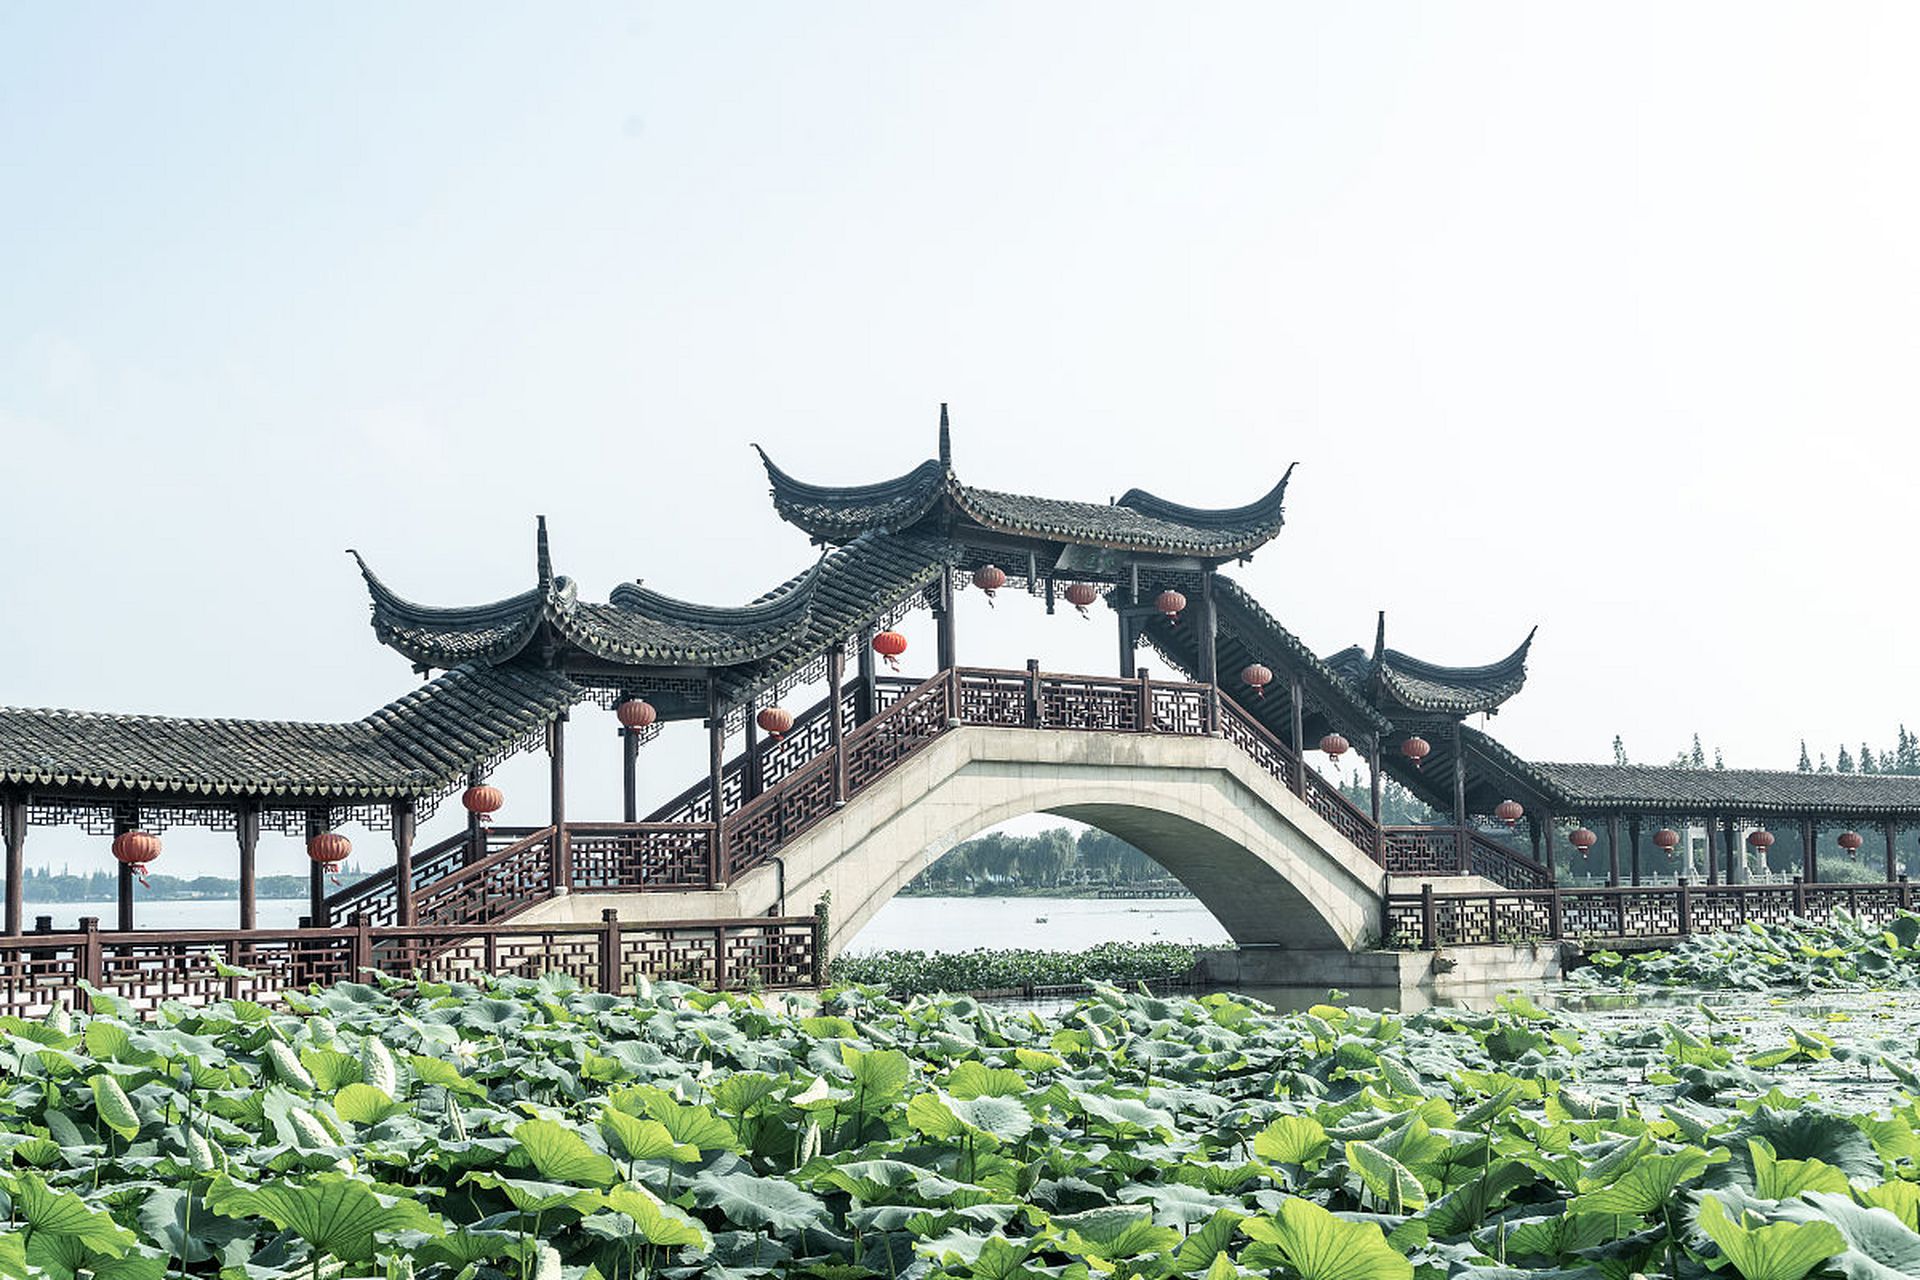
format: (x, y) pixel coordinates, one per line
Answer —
(750, 766)
(1297, 731)
(1633, 840)
(1893, 854)
(476, 826)
(1732, 839)
(13, 821)
(1373, 769)
(559, 852)
(1463, 851)
(1613, 850)
(943, 624)
(317, 877)
(1809, 860)
(716, 775)
(1210, 649)
(246, 832)
(836, 676)
(1713, 849)
(124, 921)
(864, 700)
(1546, 850)
(1126, 644)
(402, 816)
(629, 774)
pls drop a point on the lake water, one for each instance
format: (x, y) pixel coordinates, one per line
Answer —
(922, 924)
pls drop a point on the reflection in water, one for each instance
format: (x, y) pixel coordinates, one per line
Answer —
(1044, 924)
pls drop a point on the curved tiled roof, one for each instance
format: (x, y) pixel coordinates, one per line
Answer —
(1138, 522)
(1400, 681)
(420, 745)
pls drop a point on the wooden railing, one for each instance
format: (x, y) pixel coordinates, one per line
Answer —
(494, 888)
(374, 898)
(1429, 919)
(40, 971)
(1460, 851)
(1240, 728)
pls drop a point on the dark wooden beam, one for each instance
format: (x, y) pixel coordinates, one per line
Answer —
(943, 625)
(1459, 777)
(1633, 839)
(836, 678)
(1893, 855)
(317, 877)
(124, 913)
(629, 775)
(561, 854)
(750, 771)
(1809, 860)
(13, 821)
(1127, 670)
(246, 833)
(716, 755)
(864, 701)
(476, 826)
(402, 820)
(1545, 853)
(1613, 850)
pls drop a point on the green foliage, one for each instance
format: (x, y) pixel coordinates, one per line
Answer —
(910, 973)
(521, 1129)
(1841, 953)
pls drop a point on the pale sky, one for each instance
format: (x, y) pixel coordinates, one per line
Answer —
(1598, 317)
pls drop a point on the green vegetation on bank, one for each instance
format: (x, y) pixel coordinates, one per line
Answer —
(1052, 860)
(1841, 954)
(907, 973)
(529, 1129)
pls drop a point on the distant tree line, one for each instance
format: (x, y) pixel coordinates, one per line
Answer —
(1053, 859)
(42, 884)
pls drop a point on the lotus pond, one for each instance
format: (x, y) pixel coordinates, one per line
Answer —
(530, 1129)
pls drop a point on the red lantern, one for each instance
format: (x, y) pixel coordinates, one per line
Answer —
(775, 720)
(1170, 603)
(1666, 838)
(1082, 594)
(136, 849)
(1582, 839)
(1761, 840)
(1416, 749)
(329, 849)
(989, 578)
(1334, 745)
(890, 645)
(1851, 842)
(483, 801)
(636, 713)
(1258, 677)
(1509, 812)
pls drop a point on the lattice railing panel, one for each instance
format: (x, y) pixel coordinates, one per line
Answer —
(493, 889)
(1111, 706)
(1417, 851)
(648, 857)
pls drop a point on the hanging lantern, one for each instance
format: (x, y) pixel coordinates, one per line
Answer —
(1761, 840)
(329, 849)
(1666, 838)
(1258, 677)
(775, 720)
(1170, 603)
(1851, 842)
(1334, 745)
(890, 645)
(636, 713)
(989, 578)
(1509, 812)
(1082, 594)
(136, 849)
(1416, 749)
(1582, 839)
(483, 801)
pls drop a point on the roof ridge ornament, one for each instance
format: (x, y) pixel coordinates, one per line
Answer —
(946, 439)
(543, 555)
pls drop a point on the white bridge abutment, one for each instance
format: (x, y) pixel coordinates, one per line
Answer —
(1272, 871)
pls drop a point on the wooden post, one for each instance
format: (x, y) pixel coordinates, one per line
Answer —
(1429, 918)
(1893, 855)
(943, 623)
(1374, 784)
(1556, 915)
(716, 797)
(402, 818)
(630, 774)
(1546, 851)
(124, 908)
(720, 974)
(1808, 858)
(1800, 897)
(246, 833)
(1462, 850)
(476, 826)
(1633, 839)
(750, 751)
(559, 854)
(1145, 716)
(1686, 906)
(819, 975)
(90, 964)
(1210, 649)
(1713, 849)
(1126, 644)
(610, 951)
(316, 876)
(1613, 851)
(1297, 731)
(1033, 694)
(1732, 843)
(836, 675)
(359, 946)
(13, 818)
(864, 701)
